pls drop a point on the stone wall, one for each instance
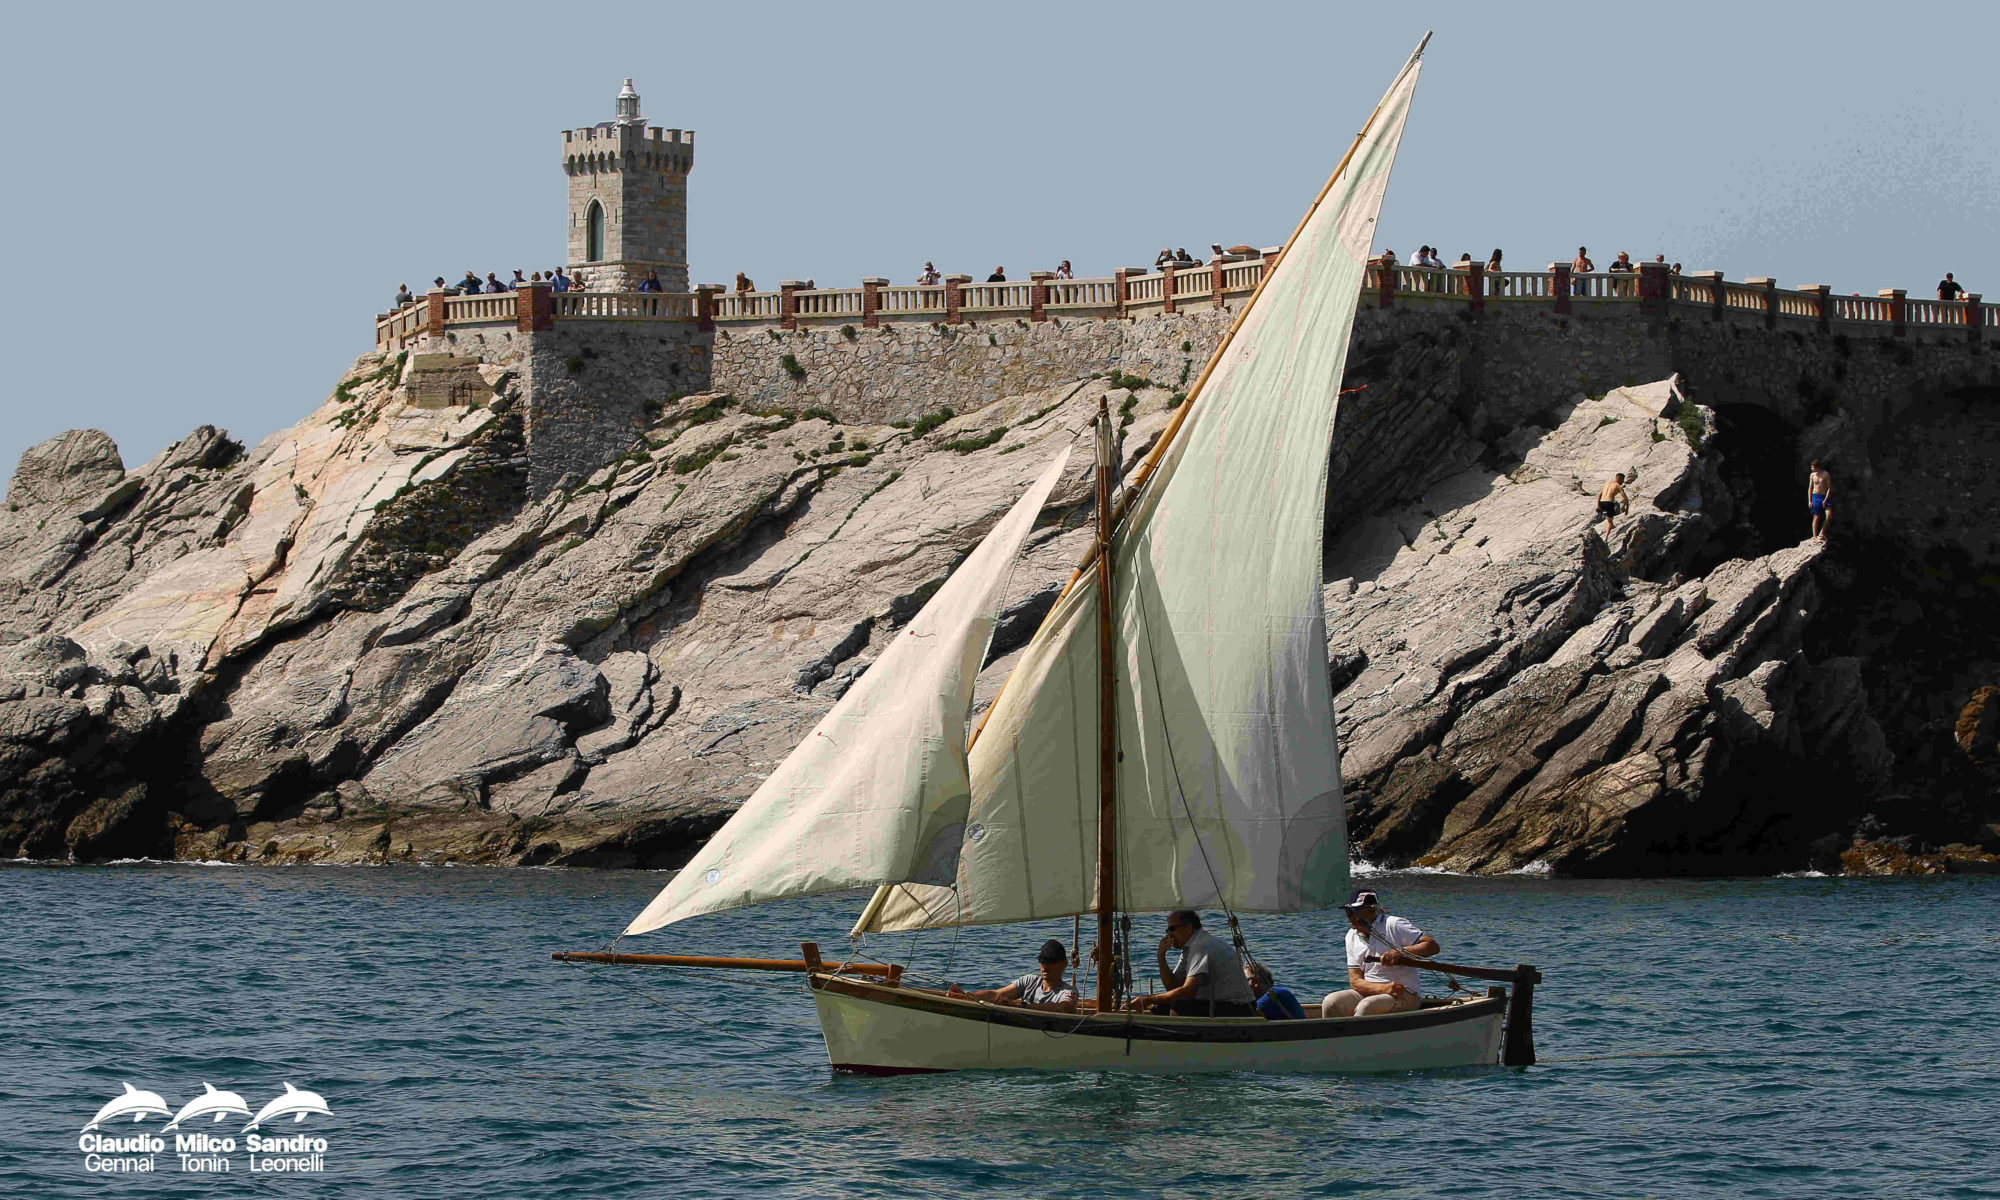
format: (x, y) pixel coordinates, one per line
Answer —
(900, 370)
(593, 387)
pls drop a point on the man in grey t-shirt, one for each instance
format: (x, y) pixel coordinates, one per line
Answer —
(1042, 988)
(1208, 982)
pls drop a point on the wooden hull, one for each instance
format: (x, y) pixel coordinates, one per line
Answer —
(880, 1030)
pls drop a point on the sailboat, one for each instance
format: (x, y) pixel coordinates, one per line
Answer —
(1165, 741)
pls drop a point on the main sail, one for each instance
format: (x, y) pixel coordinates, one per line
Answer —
(879, 790)
(1228, 768)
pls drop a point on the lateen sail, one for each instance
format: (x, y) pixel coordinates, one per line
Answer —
(1229, 773)
(878, 791)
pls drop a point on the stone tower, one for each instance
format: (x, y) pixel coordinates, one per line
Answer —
(628, 200)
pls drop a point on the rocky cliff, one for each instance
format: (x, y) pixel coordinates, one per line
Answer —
(362, 640)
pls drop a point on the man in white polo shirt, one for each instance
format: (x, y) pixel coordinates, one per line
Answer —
(1387, 984)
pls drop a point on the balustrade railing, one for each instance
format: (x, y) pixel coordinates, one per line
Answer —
(1693, 291)
(1142, 288)
(1192, 284)
(735, 306)
(1796, 304)
(923, 298)
(1083, 293)
(1521, 285)
(1751, 299)
(829, 302)
(1860, 308)
(1242, 276)
(403, 324)
(624, 304)
(996, 295)
(467, 310)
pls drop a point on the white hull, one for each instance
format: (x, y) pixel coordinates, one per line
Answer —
(874, 1029)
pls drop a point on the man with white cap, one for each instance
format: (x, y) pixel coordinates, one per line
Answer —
(1380, 951)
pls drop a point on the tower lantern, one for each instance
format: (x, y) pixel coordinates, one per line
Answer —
(628, 200)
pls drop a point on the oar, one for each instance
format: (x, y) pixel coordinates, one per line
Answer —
(893, 971)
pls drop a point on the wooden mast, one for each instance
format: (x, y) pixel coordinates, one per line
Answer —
(1107, 728)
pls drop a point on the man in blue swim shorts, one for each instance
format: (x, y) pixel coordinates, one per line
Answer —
(1819, 499)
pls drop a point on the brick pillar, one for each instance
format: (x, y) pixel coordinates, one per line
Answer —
(954, 297)
(1822, 298)
(1975, 316)
(1038, 294)
(1270, 255)
(871, 300)
(1715, 297)
(534, 308)
(1559, 284)
(788, 303)
(1656, 288)
(1385, 285)
(1898, 309)
(434, 312)
(704, 306)
(1118, 289)
(1475, 286)
(1770, 287)
(1167, 287)
(1215, 269)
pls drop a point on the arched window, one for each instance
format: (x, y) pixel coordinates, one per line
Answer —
(593, 238)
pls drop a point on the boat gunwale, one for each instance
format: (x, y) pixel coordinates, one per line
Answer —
(1147, 1027)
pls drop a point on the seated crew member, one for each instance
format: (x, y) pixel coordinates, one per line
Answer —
(1209, 980)
(1276, 1003)
(1388, 984)
(1037, 989)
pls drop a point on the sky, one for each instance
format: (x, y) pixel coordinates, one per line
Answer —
(207, 203)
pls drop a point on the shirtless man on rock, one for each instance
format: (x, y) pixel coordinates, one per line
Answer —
(1608, 498)
(1819, 499)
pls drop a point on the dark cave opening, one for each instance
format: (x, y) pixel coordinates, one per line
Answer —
(1757, 452)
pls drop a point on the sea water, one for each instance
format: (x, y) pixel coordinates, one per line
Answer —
(1777, 1037)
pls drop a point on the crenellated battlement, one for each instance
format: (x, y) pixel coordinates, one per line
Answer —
(614, 147)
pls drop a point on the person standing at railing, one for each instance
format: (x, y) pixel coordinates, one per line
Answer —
(1622, 265)
(1494, 284)
(929, 277)
(517, 283)
(1578, 268)
(558, 282)
(469, 286)
(999, 275)
(1183, 259)
(1063, 271)
(744, 283)
(403, 297)
(651, 283)
(1948, 289)
(494, 285)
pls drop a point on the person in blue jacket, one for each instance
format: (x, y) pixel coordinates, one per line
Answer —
(1274, 1002)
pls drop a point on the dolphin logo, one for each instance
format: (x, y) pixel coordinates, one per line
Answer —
(140, 1104)
(210, 1101)
(294, 1102)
